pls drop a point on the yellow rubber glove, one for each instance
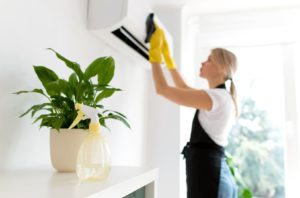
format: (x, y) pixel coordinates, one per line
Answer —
(155, 51)
(167, 55)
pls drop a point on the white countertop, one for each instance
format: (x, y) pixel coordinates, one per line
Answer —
(45, 182)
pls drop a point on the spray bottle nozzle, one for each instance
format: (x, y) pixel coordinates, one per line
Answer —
(77, 106)
(86, 112)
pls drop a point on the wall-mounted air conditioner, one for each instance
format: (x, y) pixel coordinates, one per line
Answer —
(122, 25)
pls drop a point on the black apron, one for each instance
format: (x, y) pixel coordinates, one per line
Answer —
(203, 162)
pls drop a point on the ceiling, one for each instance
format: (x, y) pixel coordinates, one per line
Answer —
(209, 6)
(210, 17)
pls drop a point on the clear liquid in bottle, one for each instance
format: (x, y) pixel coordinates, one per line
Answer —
(93, 161)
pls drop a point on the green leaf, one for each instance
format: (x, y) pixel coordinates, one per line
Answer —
(63, 103)
(45, 75)
(83, 124)
(100, 87)
(119, 118)
(52, 84)
(102, 123)
(35, 108)
(51, 120)
(95, 67)
(72, 65)
(90, 93)
(104, 94)
(106, 87)
(106, 71)
(80, 91)
(57, 87)
(246, 193)
(99, 106)
(44, 116)
(40, 107)
(243, 191)
(57, 122)
(73, 81)
(67, 89)
(45, 123)
(115, 112)
(26, 112)
(49, 109)
(40, 91)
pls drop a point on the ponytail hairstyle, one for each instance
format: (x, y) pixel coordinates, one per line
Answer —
(228, 61)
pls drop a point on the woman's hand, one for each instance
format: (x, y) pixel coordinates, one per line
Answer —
(156, 42)
(167, 55)
(159, 46)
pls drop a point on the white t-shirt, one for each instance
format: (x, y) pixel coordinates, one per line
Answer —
(218, 121)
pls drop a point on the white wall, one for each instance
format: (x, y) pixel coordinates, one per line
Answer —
(164, 125)
(27, 29)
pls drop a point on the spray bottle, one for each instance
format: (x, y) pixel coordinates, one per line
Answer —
(93, 159)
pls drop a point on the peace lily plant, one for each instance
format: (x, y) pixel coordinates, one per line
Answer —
(62, 94)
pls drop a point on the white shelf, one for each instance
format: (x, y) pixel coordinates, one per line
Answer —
(44, 182)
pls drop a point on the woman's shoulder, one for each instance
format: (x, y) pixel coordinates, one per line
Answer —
(219, 93)
(219, 97)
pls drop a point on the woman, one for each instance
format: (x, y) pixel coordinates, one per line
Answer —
(208, 175)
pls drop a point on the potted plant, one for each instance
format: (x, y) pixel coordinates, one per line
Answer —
(88, 87)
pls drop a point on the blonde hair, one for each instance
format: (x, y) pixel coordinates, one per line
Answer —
(227, 59)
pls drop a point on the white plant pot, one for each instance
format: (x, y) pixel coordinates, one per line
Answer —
(64, 146)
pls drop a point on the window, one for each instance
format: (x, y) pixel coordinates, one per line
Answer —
(265, 140)
(257, 139)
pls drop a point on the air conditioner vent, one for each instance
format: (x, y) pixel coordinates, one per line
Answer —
(123, 34)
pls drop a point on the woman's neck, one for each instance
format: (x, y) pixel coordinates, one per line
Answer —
(215, 82)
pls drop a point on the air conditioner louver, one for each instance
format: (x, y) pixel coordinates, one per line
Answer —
(124, 35)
